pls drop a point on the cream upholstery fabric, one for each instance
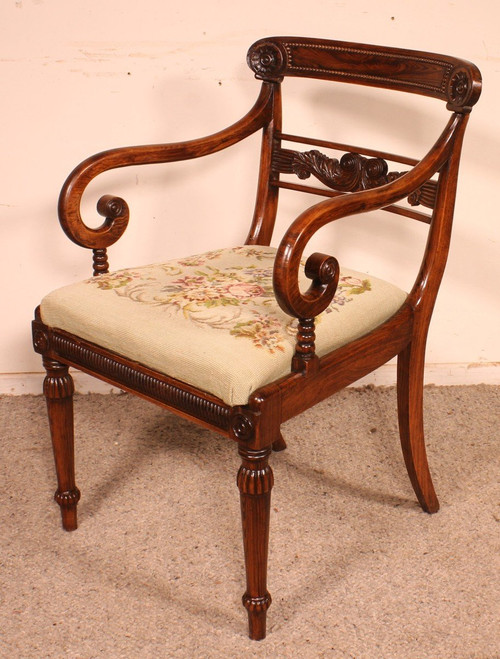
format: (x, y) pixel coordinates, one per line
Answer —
(212, 320)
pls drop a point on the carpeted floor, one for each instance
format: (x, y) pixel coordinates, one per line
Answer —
(156, 567)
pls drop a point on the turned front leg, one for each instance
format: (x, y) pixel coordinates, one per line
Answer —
(58, 388)
(255, 481)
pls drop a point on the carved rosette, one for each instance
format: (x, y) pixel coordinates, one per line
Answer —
(414, 198)
(267, 60)
(459, 88)
(40, 340)
(242, 426)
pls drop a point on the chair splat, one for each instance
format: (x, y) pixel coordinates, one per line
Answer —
(351, 173)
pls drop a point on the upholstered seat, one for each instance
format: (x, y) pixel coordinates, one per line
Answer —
(212, 320)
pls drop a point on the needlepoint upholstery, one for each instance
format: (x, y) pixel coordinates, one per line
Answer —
(212, 320)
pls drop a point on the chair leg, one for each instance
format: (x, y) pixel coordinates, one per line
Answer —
(410, 381)
(58, 389)
(255, 481)
(279, 444)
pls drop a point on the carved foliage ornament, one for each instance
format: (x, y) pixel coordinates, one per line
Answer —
(351, 173)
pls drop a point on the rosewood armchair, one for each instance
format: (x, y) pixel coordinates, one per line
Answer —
(241, 339)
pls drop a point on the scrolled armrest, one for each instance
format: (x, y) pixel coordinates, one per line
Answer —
(115, 209)
(112, 207)
(289, 255)
(323, 270)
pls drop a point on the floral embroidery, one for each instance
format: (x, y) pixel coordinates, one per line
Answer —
(114, 280)
(200, 259)
(264, 331)
(217, 292)
(355, 286)
(347, 287)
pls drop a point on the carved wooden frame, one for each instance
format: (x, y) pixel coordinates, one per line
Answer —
(360, 181)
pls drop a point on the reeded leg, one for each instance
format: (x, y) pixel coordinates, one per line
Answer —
(58, 389)
(255, 481)
(411, 424)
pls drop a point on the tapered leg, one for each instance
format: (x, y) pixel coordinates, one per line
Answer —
(255, 481)
(411, 424)
(58, 389)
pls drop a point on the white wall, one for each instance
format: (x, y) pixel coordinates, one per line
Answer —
(80, 76)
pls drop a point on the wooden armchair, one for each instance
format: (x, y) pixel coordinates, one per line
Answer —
(239, 340)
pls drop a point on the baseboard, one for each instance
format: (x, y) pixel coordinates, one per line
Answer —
(440, 374)
(18, 384)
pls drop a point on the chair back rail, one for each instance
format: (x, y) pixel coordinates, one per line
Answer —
(360, 179)
(448, 78)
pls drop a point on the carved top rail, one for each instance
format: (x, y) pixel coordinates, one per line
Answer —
(453, 80)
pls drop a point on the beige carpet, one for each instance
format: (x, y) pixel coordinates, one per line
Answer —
(156, 567)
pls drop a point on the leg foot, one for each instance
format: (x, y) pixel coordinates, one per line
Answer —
(257, 613)
(68, 503)
(255, 481)
(411, 425)
(58, 389)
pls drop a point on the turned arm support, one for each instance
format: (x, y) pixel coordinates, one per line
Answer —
(323, 270)
(114, 209)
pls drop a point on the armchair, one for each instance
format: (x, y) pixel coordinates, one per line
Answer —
(242, 339)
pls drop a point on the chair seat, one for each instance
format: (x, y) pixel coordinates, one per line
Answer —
(212, 320)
